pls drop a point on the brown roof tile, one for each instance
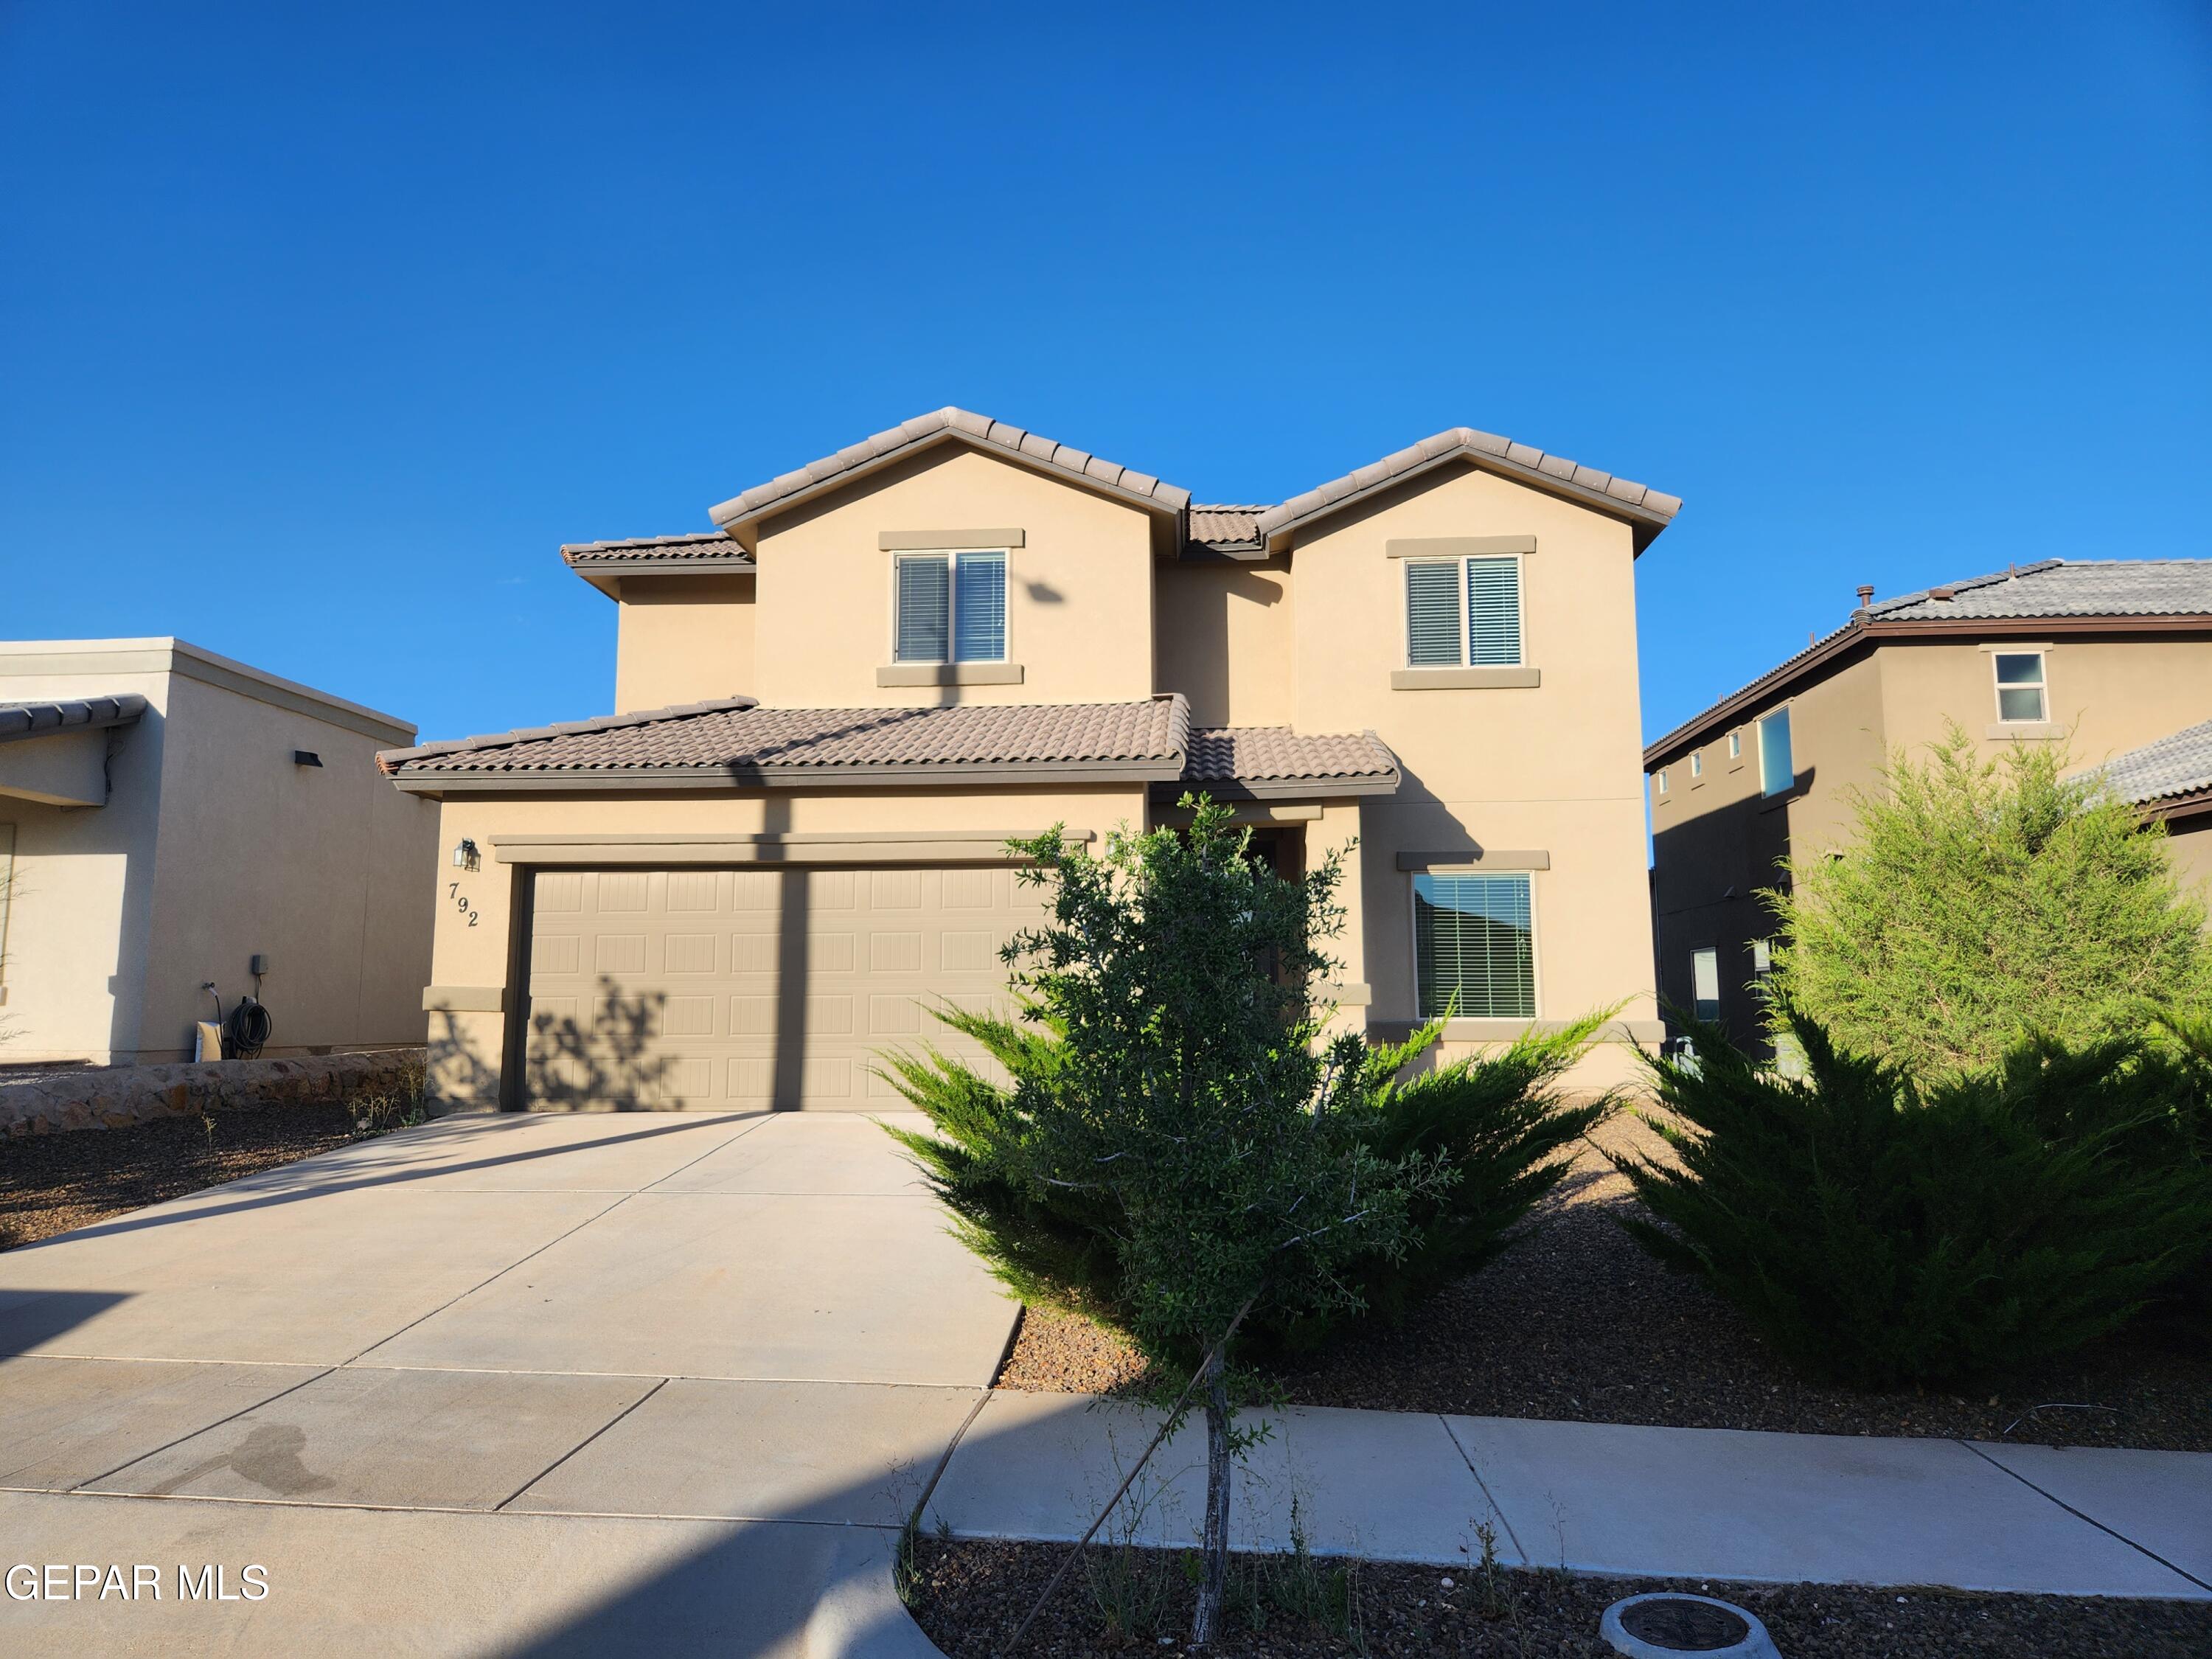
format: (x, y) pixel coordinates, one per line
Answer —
(710, 547)
(791, 487)
(1267, 759)
(737, 741)
(1651, 509)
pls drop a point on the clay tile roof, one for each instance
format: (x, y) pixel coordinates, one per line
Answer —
(2057, 589)
(1219, 527)
(1275, 760)
(736, 741)
(707, 548)
(812, 479)
(38, 719)
(1649, 510)
(2065, 587)
(2180, 764)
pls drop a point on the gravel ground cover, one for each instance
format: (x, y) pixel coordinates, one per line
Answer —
(1577, 1323)
(53, 1182)
(969, 1595)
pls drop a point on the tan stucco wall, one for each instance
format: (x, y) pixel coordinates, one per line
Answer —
(1554, 768)
(1710, 835)
(1225, 640)
(213, 845)
(1078, 592)
(682, 639)
(475, 939)
(2189, 844)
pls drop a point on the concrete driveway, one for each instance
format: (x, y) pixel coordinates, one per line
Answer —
(539, 1384)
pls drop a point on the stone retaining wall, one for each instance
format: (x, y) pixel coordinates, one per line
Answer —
(114, 1097)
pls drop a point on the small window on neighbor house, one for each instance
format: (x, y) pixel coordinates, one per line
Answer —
(1706, 982)
(1735, 745)
(1777, 770)
(1697, 763)
(1762, 957)
(2020, 686)
(1451, 624)
(1474, 951)
(951, 608)
(1660, 779)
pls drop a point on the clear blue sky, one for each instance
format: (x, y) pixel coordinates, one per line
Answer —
(321, 326)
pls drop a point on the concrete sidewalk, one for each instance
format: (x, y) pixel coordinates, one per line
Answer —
(1604, 1497)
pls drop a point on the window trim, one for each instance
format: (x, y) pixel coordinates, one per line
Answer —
(1511, 673)
(2040, 686)
(1535, 942)
(1660, 777)
(1736, 744)
(1697, 763)
(951, 660)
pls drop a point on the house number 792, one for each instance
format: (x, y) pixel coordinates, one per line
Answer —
(460, 901)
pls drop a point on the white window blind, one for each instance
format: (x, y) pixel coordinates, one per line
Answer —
(1474, 946)
(1432, 615)
(924, 609)
(979, 608)
(1493, 611)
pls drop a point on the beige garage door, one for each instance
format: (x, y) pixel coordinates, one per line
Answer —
(738, 990)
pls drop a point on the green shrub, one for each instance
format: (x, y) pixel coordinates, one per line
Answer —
(1502, 1126)
(1879, 1231)
(1976, 902)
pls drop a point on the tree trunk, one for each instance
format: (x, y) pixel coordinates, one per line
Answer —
(1213, 1583)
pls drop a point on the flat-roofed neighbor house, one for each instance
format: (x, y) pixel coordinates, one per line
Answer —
(167, 816)
(837, 705)
(2105, 656)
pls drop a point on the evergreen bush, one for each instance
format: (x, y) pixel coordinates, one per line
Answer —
(1881, 1232)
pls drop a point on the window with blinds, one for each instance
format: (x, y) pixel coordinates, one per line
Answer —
(1432, 615)
(1474, 946)
(1463, 613)
(951, 608)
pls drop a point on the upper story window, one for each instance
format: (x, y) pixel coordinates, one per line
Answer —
(1697, 763)
(1660, 776)
(1777, 770)
(1463, 613)
(2020, 686)
(951, 607)
(1736, 744)
(1474, 946)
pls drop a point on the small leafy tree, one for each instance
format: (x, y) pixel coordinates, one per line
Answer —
(1180, 1093)
(1977, 902)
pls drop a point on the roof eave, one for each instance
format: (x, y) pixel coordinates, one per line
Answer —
(606, 574)
(1282, 788)
(653, 779)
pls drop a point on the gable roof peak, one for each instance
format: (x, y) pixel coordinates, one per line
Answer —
(742, 513)
(1648, 510)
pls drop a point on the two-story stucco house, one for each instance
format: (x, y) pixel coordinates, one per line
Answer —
(2111, 658)
(837, 706)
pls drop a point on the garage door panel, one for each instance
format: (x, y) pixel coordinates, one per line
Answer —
(665, 988)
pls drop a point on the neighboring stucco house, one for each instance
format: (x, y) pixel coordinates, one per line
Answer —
(2103, 656)
(167, 815)
(2171, 780)
(838, 705)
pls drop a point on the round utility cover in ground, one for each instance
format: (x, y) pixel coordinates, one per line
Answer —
(1661, 1625)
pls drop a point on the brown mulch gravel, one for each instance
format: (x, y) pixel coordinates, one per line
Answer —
(969, 1596)
(1577, 1323)
(51, 1184)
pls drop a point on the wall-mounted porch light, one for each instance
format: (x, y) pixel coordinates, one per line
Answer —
(466, 856)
